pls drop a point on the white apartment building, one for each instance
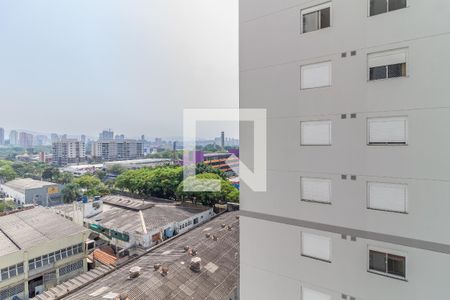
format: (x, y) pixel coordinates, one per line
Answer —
(117, 149)
(68, 151)
(357, 203)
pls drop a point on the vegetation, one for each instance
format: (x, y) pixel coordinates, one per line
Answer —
(116, 169)
(200, 189)
(6, 205)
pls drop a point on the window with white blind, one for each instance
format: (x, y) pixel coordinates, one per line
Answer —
(315, 190)
(387, 131)
(387, 196)
(310, 294)
(316, 17)
(315, 133)
(387, 64)
(315, 75)
(316, 246)
(377, 7)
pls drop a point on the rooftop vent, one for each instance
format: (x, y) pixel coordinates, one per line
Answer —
(193, 252)
(122, 297)
(208, 235)
(157, 266)
(237, 217)
(223, 225)
(134, 272)
(186, 248)
(215, 238)
(164, 271)
(196, 264)
(229, 227)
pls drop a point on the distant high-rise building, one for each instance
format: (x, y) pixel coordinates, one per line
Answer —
(68, 151)
(25, 140)
(142, 137)
(117, 150)
(54, 137)
(106, 135)
(2, 136)
(119, 137)
(222, 140)
(83, 138)
(13, 137)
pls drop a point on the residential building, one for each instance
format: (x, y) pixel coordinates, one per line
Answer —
(358, 174)
(2, 136)
(38, 250)
(68, 151)
(13, 138)
(25, 140)
(201, 264)
(117, 149)
(54, 138)
(225, 161)
(29, 191)
(106, 135)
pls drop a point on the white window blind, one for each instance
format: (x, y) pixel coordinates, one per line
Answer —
(316, 75)
(386, 58)
(315, 189)
(315, 133)
(316, 246)
(309, 294)
(388, 196)
(389, 130)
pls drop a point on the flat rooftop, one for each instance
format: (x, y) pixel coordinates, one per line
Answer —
(219, 275)
(122, 213)
(23, 184)
(28, 228)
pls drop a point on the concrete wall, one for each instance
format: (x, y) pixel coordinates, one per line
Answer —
(272, 50)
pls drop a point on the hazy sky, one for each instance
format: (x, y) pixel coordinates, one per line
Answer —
(80, 66)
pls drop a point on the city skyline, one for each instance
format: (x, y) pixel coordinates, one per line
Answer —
(137, 64)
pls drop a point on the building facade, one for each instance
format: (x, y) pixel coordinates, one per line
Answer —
(117, 149)
(68, 151)
(25, 140)
(38, 250)
(29, 191)
(358, 171)
(13, 137)
(2, 136)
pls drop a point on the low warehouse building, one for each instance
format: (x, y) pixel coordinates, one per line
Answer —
(38, 250)
(30, 191)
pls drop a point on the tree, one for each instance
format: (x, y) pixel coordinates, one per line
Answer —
(202, 191)
(91, 185)
(50, 173)
(71, 192)
(7, 173)
(204, 168)
(116, 169)
(63, 178)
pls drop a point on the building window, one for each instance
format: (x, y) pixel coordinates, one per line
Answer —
(387, 64)
(310, 294)
(387, 131)
(317, 17)
(382, 6)
(315, 190)
(385, 263)
(387, 196)
(315, 133)
(315, 75)
(316, 246)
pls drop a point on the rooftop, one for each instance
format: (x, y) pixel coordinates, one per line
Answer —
(122, 213)
(218, 277)
(23, 184)
(25, 229)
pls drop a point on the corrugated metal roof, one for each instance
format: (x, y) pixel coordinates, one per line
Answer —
(23, 184)
(218, 277)
(34, 226)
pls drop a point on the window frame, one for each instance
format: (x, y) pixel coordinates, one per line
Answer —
(316, 201)
(316, 9)
(405, 212)
(387, 8)
(406, 143)
(330, 248)
(402, 49)
(329, 121)
(387, 252)
(330, 74)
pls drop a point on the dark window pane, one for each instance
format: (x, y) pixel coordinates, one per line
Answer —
(20, 268)
(310, 22)
(377, 261)
(378, 7)
(325, 18)
(377, 73)
(397, 70)
(396, 265)
(12, 271)
(396, 4)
